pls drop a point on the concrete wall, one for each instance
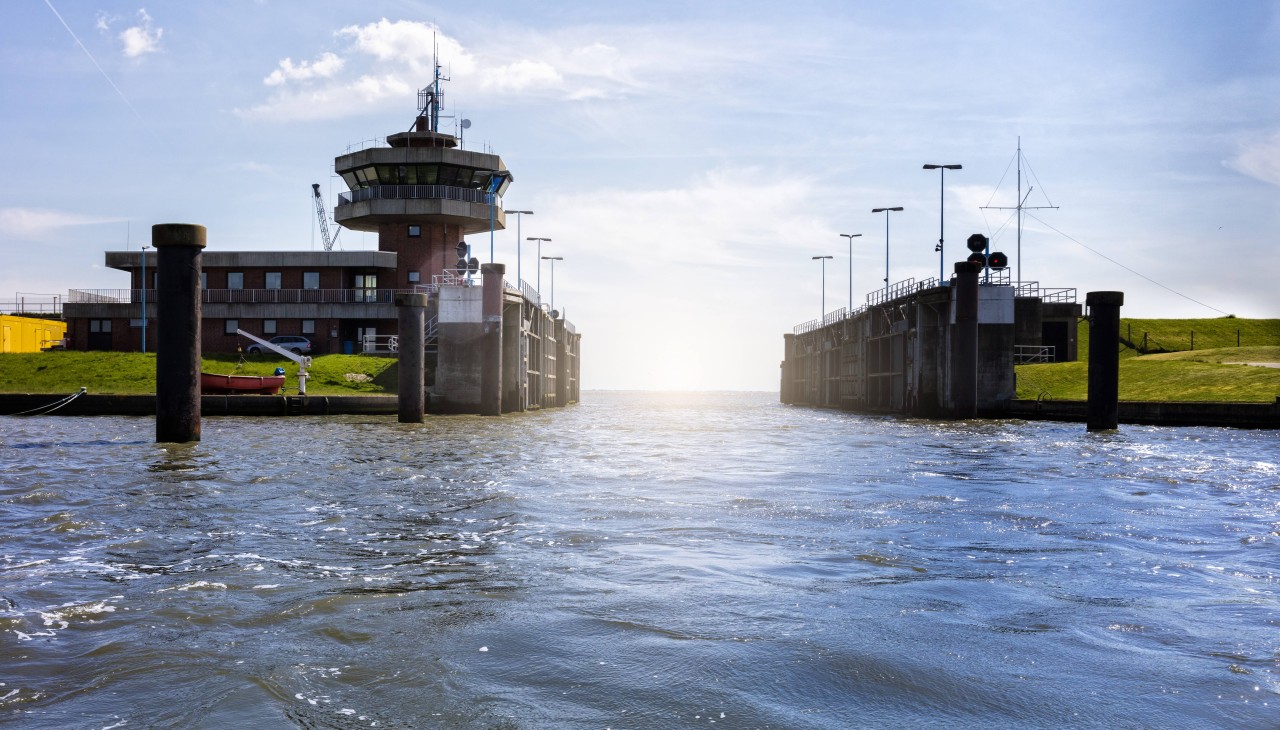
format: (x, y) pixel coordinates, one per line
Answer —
(461, 334)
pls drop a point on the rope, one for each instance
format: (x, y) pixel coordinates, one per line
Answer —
(46, 410)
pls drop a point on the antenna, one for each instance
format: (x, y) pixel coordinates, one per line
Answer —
(1020, 207)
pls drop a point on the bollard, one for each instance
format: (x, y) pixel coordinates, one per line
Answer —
(491, 363)
(964, 342)
(411, 393)
(178, 248)
(1104, 359)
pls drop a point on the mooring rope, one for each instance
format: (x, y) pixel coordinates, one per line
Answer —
(45, 410)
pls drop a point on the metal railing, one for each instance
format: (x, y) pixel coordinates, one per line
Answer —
(1057, 295)
(244, 296)
(414, 192)
(1025, 354)
(380, 344)
(891, 292)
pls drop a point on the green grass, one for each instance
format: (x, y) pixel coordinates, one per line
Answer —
(1175, 335)
(1185, 376)
(133, 372)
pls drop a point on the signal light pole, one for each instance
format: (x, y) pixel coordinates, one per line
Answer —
(823, 259)
(517, 214)
(539, 240)
(849, 236)
(942, 177)
(553, 260)
(886, 212)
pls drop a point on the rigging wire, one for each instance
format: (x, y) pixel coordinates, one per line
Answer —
(46, 410)
(1031, 170)
(1002, 177)
(1126, 268)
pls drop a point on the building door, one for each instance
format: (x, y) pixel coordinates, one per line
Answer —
(1054, 334)
(367, 338)
(6, 339)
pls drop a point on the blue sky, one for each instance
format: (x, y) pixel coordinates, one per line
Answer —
(686, 161)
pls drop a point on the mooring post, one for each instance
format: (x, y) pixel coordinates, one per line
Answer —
(178, 248)
(491, 365)
(964, 342)
(411, 393)
(1104, 359)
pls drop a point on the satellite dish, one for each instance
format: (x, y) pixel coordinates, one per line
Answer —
(466, 124)
(473, 265)
(461, 249)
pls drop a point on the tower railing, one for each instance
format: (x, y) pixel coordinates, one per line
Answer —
(413, 192)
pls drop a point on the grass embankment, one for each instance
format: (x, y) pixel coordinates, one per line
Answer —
(133, 372)
(1203, 374)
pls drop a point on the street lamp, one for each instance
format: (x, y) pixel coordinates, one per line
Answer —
(144, 299)
(886, 212)
(553, 260)
(850, 236)
(517, 214)
(539, 240)
(823, 259)
(942, 176)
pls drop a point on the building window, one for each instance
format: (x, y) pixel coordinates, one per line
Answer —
(100, 325)
(366, 287)
(311, 280)
(415, 231)
(308, 326)
(273, 280)
(268, 326)
(235, 279)
(414, 277)
(230, 326)
(204, 280)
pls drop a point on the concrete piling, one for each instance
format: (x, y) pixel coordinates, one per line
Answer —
(1104, 359)
(491, 361)
(178, 248)
(411, 393)
(964, 344)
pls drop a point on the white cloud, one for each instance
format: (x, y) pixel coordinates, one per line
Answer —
(326, 66)
(36, 221)
(140, 39)
(1259, 159)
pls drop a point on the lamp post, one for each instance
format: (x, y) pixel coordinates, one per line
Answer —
(850, 236)
(539, 240)
(942, 177)
(553, 260)
(517, 214)
(144, 299)
(823, 259)
(886, 212)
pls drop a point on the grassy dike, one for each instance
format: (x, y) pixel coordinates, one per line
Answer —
(1209, 373)
(133, 372)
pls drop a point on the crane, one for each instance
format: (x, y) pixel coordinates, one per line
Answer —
(324, 218)
(304, 361)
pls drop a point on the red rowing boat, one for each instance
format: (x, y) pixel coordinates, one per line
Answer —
(240, 384)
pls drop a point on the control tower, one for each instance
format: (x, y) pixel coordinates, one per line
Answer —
(421, 194)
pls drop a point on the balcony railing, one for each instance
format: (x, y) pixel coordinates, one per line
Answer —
(414, 192)
(243, 296)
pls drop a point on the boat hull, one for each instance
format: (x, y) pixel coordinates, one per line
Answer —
(213, 384)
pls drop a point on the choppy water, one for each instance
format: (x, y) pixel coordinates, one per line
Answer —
(638, 561)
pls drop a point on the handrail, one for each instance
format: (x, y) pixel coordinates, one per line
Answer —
(414, 192)
(243, 296)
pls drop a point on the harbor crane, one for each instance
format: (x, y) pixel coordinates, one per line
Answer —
(323, 216)
(304, 361)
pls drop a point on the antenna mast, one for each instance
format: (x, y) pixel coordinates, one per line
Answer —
(1020, 207)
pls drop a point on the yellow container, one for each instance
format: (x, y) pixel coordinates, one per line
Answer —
(28, 334)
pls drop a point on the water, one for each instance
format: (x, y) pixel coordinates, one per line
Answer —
(638, 561)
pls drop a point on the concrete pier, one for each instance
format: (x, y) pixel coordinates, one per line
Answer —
(178, 248)
(491, 359)
(964, 344)
(411, 395)
(1104, 359)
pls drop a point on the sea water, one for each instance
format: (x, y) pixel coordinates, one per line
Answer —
(638, 561)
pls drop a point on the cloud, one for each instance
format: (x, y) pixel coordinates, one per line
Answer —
(37, 221)
(140, 39)
(1259, 158)
(326, 66)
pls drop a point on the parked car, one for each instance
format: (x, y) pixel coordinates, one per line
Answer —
(292, 343)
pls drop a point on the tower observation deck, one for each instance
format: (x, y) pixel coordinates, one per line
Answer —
(421, 195)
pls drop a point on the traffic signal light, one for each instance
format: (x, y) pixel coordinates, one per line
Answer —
(978, 258)
(997, 260)
(977, 243)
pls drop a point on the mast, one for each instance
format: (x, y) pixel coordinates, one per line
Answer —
(1021, 206)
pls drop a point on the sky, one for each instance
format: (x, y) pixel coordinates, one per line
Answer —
(688, 160)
